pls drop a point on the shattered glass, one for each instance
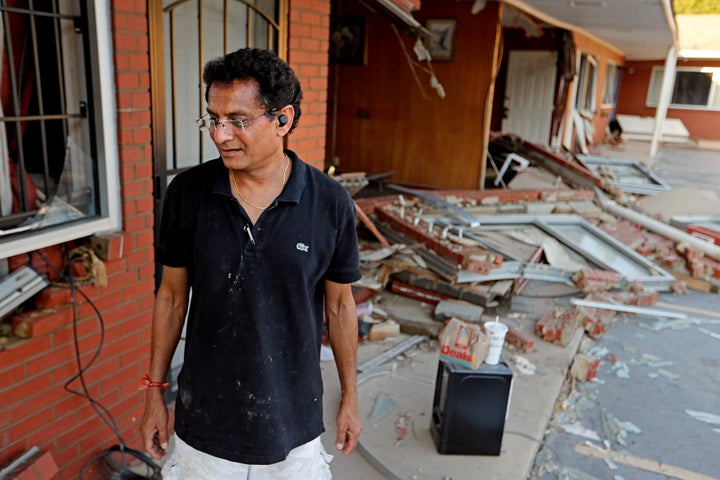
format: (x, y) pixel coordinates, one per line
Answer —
(74, 196)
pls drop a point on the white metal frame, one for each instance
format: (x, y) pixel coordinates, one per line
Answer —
(109, 218)
(713, 94)
(587, 83)
(644, 271)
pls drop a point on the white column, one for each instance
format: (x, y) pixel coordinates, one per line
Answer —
(5, 185)
(664, 100)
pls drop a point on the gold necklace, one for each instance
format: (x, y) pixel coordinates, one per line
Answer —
(237, 190)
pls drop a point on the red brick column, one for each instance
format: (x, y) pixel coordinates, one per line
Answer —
(36, 410)
(309, 40)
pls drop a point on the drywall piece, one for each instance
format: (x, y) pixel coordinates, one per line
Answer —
(533, 178)
(691, 200)
(509, 247)
(641, 128)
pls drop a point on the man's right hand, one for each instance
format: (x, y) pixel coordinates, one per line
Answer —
(154, 426)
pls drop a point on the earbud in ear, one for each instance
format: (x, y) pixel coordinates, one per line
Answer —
(282, 120)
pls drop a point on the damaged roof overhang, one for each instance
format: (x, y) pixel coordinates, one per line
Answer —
(398, 15)
(636, 29)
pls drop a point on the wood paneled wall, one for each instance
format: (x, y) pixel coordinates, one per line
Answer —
(382, 118)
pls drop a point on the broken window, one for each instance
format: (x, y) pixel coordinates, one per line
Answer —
(586, 84)
(612, 78)
(58, 146)
(693, 87)
(570, 243)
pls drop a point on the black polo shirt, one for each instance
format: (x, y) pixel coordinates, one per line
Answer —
(250, 389)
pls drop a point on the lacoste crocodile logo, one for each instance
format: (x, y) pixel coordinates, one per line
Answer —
(302, 247)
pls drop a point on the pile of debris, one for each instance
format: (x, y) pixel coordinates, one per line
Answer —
(483, 248)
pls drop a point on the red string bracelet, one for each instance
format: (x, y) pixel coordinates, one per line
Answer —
(145, 383)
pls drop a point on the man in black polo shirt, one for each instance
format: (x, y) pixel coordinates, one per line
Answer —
(266, 244)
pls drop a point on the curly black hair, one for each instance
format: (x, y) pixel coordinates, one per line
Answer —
(278, 85)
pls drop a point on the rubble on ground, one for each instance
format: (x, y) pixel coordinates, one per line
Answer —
(459, 249)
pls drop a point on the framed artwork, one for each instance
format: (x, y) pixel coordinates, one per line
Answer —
(347, 41)
(442, 38)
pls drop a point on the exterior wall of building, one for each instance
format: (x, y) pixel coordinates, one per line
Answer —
(309, 40)
(632, 99)
(604, 56)
(36, 409)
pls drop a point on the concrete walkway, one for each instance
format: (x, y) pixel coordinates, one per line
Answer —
(412, 386)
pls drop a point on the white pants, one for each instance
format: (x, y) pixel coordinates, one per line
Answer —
(308, 461)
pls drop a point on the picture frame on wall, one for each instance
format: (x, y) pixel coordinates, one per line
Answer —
(441, 43)
(347, 41)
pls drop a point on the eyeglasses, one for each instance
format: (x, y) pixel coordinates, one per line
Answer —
(211, 124)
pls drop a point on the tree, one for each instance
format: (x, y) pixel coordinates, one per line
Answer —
(694, 7)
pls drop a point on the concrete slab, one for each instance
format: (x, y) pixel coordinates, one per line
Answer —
(412, 385)
(627, 150)
(690, 200)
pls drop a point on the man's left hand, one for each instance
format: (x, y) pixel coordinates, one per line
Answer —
(349, 426)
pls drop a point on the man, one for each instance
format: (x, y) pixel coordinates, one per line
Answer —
(265, 243)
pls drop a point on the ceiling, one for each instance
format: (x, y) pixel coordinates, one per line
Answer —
(638, 29)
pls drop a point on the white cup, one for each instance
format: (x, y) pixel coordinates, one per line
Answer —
(495, 331)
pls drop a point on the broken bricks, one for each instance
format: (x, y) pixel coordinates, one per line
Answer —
(584, 367)
(557, 326)
(595, 321)
(589, 280)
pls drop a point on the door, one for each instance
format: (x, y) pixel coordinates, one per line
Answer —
(529, 94)
(184, 35)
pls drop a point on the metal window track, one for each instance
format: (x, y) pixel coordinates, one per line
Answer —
(19, 286)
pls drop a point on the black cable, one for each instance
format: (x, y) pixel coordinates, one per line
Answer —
(107, 455)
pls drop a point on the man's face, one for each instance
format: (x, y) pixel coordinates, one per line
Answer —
(244, 136)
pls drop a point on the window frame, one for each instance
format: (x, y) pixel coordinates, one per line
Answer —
(612, 80)
(657, 74)
(586, 84)
(101, 71)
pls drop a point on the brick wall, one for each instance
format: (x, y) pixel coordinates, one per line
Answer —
(36, 410)
(632, 97)
(309, 34)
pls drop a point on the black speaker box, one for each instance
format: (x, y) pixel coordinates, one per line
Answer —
(470, 408)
